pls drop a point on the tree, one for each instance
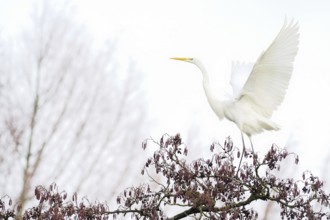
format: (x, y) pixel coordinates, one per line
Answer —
(64, 104)
(213, 188)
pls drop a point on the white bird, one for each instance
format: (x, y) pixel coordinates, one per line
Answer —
(263, 91)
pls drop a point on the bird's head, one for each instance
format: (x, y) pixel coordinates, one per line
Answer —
(193, 61)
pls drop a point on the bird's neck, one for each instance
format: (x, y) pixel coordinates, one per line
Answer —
(208, 91)
(216, 105)
(206, 80)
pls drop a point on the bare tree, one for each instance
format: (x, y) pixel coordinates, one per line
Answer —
(64, 106)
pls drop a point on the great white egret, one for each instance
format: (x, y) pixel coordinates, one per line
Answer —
(264, 89)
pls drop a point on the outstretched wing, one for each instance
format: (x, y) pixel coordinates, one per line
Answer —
(266, 86)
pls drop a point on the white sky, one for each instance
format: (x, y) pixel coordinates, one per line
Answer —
(217, 32)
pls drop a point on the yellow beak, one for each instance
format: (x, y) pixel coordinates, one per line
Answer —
(181, 58)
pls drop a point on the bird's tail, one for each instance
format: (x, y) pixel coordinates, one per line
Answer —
(269, 125)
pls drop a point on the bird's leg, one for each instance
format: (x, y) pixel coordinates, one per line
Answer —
(251, 144)
(243, 142)
(254, 155)
(239, 165)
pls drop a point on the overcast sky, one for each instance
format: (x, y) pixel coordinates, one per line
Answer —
(217, 32)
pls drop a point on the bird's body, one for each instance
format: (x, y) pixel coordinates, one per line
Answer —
(263, 91)
(239, 112)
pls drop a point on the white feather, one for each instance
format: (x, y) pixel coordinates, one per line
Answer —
(260, 90)
(266, 86)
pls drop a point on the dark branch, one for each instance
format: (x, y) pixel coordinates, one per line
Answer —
(208, 188)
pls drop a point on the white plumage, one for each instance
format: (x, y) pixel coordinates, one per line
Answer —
(264, 89)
